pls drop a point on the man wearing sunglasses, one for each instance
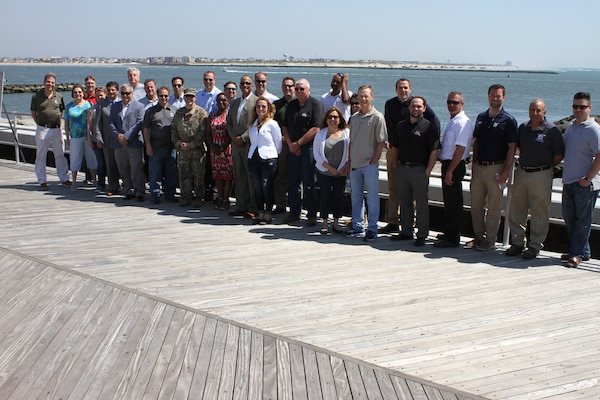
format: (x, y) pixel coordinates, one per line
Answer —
(581, 181)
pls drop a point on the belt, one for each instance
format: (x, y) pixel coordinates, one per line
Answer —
(466, 160)
(51, 126)
(410, 164)
(535, 169)
(486, 163)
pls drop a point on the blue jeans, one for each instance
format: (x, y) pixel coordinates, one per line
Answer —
(262, 174)
(578, 204)
(301, 180)
(367, 178)
(162, 165)
(331, 188)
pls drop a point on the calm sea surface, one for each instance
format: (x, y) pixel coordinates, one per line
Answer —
(521, 88)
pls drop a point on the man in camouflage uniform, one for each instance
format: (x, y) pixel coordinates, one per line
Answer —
(188, 133)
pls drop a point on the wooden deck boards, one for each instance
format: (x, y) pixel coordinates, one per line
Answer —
(102, 298)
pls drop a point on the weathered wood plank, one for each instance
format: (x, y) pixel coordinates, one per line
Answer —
(341, 379)
(242, 369)
(385, 385)
(186, 374)
(311, 373)
(326, 375)
(229, 363)
(257, 370)
(201, 372)
(269, 375)
(213, 379)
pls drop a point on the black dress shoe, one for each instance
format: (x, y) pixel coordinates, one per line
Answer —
(401, 236)
(444, 244)
(389, 228)
(140, 198)
(129, 196)
(420, 242)
(278, 210)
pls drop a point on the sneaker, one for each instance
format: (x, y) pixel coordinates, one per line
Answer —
(473, 244)
(530, 253)
(354, 232)
(514, 250)
(44, 186)
(290, 218)
(370, 236)
(486, 245)
(389, 228)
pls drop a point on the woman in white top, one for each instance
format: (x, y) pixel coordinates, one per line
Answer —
(330, 149)
(265, 146)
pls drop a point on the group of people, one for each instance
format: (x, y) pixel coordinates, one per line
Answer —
(270, 149)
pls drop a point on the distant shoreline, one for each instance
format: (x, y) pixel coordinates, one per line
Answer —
(406, 66)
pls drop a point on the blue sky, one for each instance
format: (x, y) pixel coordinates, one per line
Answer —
(548, 34)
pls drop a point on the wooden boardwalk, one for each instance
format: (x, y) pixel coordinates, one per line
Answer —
(103, 298)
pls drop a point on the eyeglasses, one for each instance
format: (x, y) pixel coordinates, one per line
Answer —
(288, 86)
(354, 103)
(245, 83)
(208, 80)
(163, 95)
(580, 106)
(453, 102)
(125, 93)
(333, 117)
(300, 89)
(230, 88)
(177, 85)
(261, 81)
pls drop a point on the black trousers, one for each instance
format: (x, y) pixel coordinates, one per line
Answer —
(453, 201)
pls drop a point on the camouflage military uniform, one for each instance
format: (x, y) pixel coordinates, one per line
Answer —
(190, 126)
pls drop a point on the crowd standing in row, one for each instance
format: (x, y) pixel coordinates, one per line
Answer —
(269, 150)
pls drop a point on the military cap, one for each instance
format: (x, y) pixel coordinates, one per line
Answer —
(189, 92)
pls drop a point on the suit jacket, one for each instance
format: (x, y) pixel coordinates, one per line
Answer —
(130, 125)
(240, 128)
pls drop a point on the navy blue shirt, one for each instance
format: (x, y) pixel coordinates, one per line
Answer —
(537, 148)
(494, 134)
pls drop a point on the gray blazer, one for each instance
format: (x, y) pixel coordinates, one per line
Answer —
(240, 128)
(130, 125)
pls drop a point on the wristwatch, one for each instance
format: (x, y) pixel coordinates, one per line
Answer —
(587, 179)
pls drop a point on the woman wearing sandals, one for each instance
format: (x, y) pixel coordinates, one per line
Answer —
(219, 143)
(265, 146)
(331, 155)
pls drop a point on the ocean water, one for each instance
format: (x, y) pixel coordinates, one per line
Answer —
(556, 89)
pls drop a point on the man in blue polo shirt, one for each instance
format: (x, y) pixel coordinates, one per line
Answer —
(494, 144)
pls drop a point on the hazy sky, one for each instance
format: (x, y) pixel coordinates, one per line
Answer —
(529, 33)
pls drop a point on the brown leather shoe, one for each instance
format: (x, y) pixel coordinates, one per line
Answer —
(573, 262)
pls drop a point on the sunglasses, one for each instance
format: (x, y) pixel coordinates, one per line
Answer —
(580, 106)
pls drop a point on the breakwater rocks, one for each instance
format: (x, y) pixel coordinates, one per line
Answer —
(29, 88)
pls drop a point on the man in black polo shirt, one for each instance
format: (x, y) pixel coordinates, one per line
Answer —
(396, 110)
(300, 125)
(494, 144)
(47, 107)
(541, 147)
(415, 144)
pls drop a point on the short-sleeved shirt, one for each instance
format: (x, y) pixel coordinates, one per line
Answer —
(459, 132)
(48, 110)
(77, 117)
(494, 134)
(158, 120)
(328, 100)
(582, 143)
(415, 142)
(366, 132)
(300, 118)
(537, 148)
